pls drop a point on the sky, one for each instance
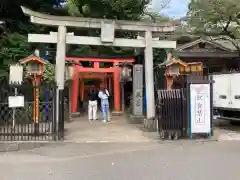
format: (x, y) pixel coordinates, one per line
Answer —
(176, 8)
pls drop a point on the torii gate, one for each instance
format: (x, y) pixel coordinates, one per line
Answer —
(115, 71)
(108, 27)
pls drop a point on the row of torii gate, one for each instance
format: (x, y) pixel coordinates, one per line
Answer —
(106, 75)
(107, 38)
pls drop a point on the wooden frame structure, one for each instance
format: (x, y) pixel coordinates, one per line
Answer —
(80, 72)
(108, 28)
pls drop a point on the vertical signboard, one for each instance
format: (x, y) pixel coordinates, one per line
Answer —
(200, 109)
(138, 90)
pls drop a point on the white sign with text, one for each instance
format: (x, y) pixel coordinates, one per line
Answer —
(15, 101)
(200, 108)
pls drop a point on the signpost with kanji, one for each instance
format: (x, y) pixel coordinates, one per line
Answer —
(200, 109)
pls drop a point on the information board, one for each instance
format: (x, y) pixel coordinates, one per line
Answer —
(15, 101)
(200, 108)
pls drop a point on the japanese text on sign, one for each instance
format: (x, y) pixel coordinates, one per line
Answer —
(200, 106)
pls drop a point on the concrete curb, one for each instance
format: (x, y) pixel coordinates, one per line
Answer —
(11, 146)
(26, 145)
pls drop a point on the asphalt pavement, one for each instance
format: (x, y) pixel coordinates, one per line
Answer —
(177, 160)
(128, 160)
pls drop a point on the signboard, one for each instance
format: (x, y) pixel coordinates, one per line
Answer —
(138, 90)
(15, 74)
(200, 108)
(15, 101)
(107, 31)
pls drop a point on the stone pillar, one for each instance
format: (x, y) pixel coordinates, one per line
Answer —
(60, 57)
(60, 76)
(137, 98)
(149, 76)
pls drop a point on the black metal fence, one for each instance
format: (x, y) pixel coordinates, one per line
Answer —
(172, 113)
(19, 124)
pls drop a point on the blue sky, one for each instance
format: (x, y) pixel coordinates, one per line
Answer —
(177, 8)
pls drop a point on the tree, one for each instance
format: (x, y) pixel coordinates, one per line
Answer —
(13, 33)
(49, 73)
(13, 47)
(110, 9)
(219, 19)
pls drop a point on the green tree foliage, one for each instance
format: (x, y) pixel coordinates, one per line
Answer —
(13, 47)
(216, 18)
(13, 32)
(112, 9)
(49, 73)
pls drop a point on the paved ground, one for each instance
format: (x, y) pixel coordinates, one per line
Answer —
(179, 160)
(127, 153)
(224, 131)
(118, 130)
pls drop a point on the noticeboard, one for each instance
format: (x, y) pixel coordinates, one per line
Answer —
(200, 108)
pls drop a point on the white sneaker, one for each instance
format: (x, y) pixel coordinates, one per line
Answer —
(104, 121)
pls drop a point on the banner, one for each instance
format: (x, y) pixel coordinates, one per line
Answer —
(200, 108)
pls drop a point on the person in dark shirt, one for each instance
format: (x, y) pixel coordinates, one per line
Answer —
(92, 103)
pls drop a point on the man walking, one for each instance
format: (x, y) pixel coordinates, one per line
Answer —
(92, 104)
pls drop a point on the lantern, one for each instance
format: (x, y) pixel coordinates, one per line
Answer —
(69, 70)
(125, 74)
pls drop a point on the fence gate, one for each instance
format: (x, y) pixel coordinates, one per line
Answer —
(172, 113)
(19, 124)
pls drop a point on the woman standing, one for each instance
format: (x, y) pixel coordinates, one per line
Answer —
(92, 104)
(104, 96)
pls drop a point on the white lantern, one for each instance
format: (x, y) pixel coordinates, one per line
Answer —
(125, 74)
(69, 72)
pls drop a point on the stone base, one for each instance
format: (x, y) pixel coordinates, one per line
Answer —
(136, 119)
(76, 114)
(117, 113)
(150, 124)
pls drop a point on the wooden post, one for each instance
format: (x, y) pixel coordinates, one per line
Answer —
(75, 83)
(82, 89)
(110, 84)
(116, 76)
(36, 82)
(37, 105)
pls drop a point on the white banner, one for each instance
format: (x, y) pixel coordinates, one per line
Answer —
(200, 108)
(16, 74)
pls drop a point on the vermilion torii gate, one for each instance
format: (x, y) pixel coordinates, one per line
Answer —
(108, 28)
(80, 70)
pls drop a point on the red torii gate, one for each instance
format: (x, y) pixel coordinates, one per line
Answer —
(115, 70)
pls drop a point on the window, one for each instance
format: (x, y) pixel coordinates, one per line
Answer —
(175, 69)
(202, 45)
(34, 67)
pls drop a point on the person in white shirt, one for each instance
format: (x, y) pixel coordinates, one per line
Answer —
(104, 96)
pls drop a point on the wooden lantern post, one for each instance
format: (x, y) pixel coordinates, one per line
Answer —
(35, 67)
(172, 69)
